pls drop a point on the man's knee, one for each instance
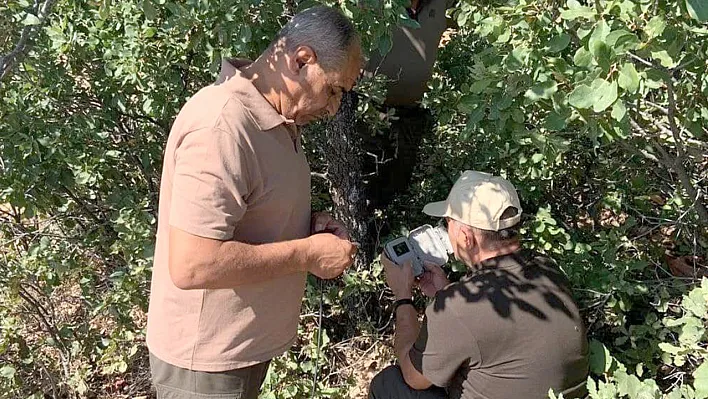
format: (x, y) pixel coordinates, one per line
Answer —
(385, 382)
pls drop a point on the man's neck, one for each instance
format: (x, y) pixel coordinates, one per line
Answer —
(263, 76)
(503, 249)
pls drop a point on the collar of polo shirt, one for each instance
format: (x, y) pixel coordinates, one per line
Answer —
(263, 113)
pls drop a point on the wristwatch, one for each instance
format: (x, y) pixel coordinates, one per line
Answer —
(399, 302)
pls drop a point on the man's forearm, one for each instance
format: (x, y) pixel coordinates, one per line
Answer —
(212, 264)
(407, 328)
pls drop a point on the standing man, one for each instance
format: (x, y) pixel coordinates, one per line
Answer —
(508, 329)
(236, 238)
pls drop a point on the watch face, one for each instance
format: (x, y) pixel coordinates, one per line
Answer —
(401, 249)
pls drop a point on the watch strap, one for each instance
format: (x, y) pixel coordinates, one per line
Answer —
(399, 302)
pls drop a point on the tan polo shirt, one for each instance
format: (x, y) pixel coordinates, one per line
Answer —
(234, 169)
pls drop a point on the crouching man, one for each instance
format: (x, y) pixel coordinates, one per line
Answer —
(508, 329)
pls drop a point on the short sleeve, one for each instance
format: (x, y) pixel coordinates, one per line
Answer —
(209, 184)
(443, 346)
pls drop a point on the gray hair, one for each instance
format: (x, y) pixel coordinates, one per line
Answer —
(494, 237)
(324, 29)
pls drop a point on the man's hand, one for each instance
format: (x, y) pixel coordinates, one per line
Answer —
(432, 280)
(399, 278)
(323, 221)
(330, 255)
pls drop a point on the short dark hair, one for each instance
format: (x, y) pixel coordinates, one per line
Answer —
(326, 30)
(506, 234)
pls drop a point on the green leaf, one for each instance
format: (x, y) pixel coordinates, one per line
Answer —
(606, 94)
(582, 97)
(104, 10)
(517, 115)
(620, 41)
(628, 384)
(31, 20)
(700, 380)
(629, 78)
(698, 9)
(600, 95)
(504, 37)
(599, 358)
(8, 372)
(543, 90)
(462, 18)
(664, 58)
(385, 44)
(408, 22)
(655, 27)
(603, 55)
(475, 116)
(479, 86)
(582, 58)
(246, 33)
(147, 106)
(575, 11)
(599, 49)
(518, 58)
(616, 36)
(468, 103)
(691, 332)
(619, 110)
(149, 10)
(558, 43)
(122, 366)
(668, 348)
(536, 158)
(696, 302)
(599, 34)
(555, 122)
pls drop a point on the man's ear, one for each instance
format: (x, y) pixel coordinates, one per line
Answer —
(470, 239)
(304, 55)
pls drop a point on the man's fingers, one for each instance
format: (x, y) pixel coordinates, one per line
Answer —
(353, 250)
(340, 231)
(433, 268)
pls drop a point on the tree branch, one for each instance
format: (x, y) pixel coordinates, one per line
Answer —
(642, 60)
(8, 61)
(672, 121)
(675, 164)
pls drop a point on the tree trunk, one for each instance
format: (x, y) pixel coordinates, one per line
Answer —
(360, 182)
(344, 156)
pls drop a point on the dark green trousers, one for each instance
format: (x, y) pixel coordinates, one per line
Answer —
(173, 382)
(389, 384)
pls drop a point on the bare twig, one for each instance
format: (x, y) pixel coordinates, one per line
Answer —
(42, 315)
(322, 176)
(657, 107)
(672, 120)
(161, 125)
(23, 44)
(638, 152)
(642, 60)
(675, 164)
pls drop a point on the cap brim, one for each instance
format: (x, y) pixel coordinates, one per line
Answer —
(438, 209)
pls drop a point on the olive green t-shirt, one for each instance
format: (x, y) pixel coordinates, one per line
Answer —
(508, 329)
